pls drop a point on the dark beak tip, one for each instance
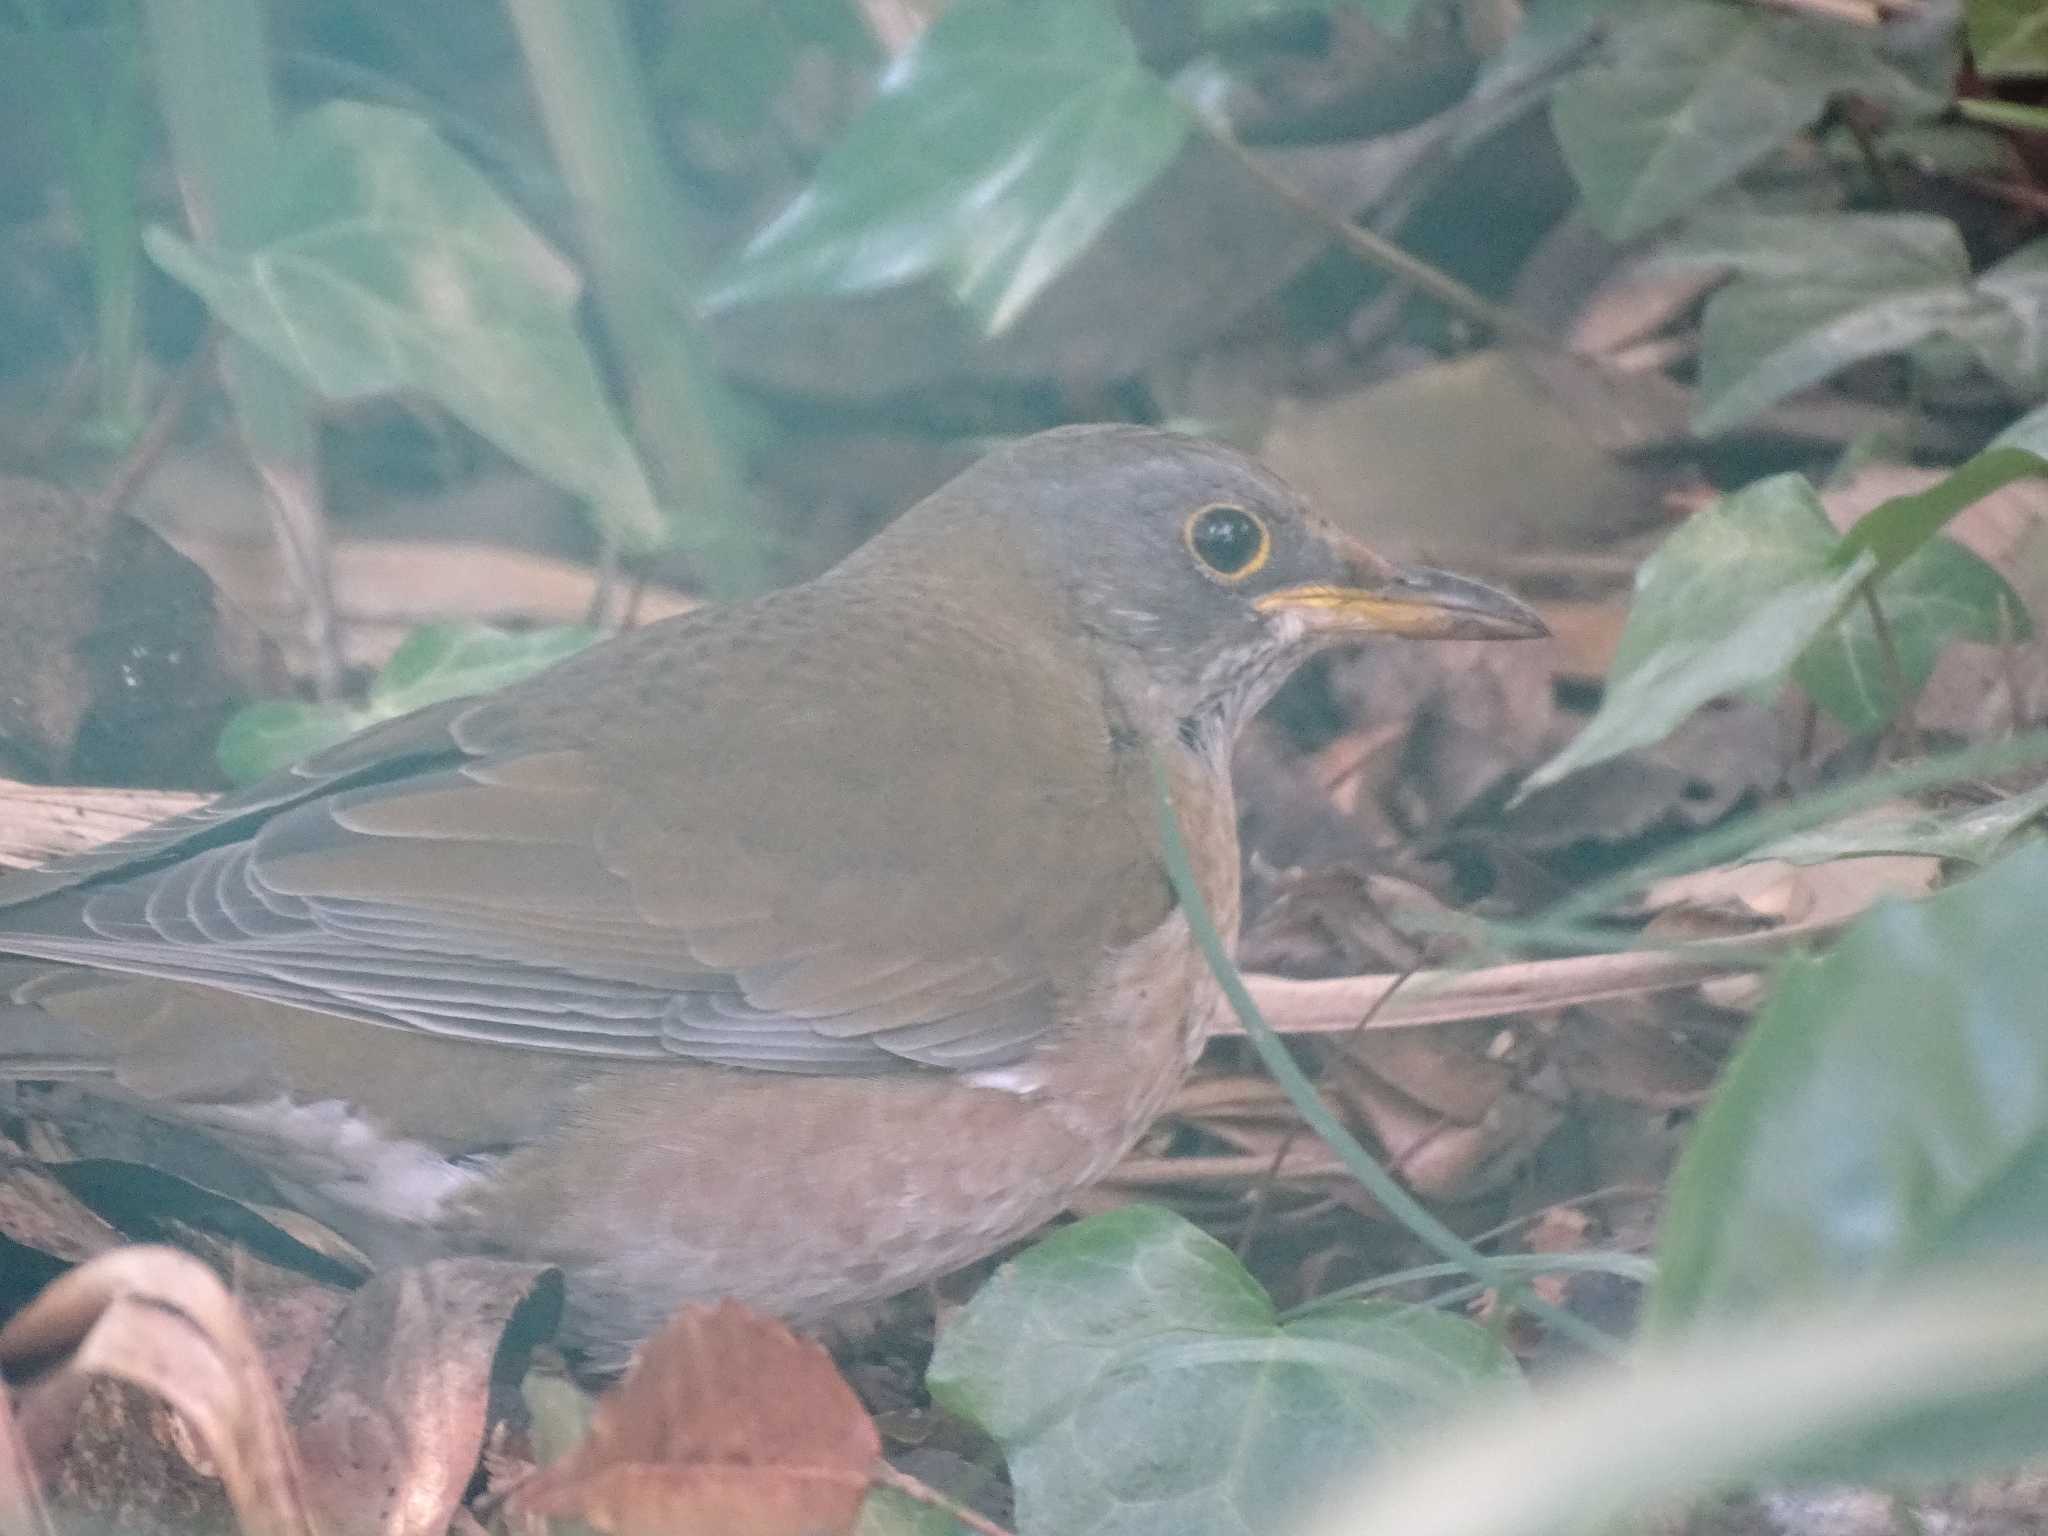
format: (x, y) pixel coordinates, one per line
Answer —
(1479, 611)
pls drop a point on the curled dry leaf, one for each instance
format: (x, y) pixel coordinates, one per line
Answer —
(392, 1413)
(163, 1321)
(727, 1425)
(21, 1503)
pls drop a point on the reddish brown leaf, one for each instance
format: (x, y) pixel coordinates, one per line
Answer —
(728, 1425)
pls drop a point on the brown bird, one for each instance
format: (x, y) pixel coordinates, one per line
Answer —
(796, 951)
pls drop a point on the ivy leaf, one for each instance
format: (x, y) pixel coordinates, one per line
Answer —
(1815, 293)
(1887, 1112)
(1726, 604)
(1893, 530)
(1691, 93)
(1941, 593)
(994, 153)
(1139, 1382)
(389, 263)
(2007, 37)
(1886, 1120)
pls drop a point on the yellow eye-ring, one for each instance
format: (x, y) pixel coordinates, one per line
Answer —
(1230, 541)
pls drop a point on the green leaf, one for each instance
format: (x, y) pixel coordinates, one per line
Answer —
(1727, 603)
(1877, 1390)
(1942, 593)
(1889, 1111)
(1974, 834)
(1392, 15)
(2011, 338)
(2029, 432)
(388, 263)
(1886, 1119)
(270, 734)
(2007, 37)
(447, 661)
(1691, 93)
(1139, 1382)
(2005, 114)
(730, 62)
(1895, 529)
(994, 153)
(885, 1512)
(436, 662)
(1815, 293)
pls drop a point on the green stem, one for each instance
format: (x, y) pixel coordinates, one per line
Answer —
(1382, 1185)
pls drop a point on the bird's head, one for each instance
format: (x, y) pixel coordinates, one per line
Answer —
(1198, 571)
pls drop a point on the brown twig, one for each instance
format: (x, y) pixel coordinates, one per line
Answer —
(1894, 669)
(1390, 258)
(156, 433)
(886, 1476)
(1531, 986)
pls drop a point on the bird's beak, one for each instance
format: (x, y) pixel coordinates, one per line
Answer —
(1381, 598)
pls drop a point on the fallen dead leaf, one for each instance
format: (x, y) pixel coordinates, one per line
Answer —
(391, 1414)
(727, 1425)
(21, 1500)
(162, 1321)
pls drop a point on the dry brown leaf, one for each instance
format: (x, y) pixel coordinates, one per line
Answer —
(392, 1413)
(1637, 1050)
(727, 1425)
(21, 1501)
(162, 1321)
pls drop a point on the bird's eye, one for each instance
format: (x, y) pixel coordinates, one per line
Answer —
(1228, 540)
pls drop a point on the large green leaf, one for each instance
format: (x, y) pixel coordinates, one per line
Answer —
(1814, 293)
(1726, 604)
(2007, 37)
(388, 263)
(994, 152)
(1941, 593)
(1139, 1382)
(1749, 586)
(1888, 1111)
(1893, 530)
(2011, 337)
(1944, 1375)
(1691, 93)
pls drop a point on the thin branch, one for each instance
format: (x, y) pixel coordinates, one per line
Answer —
(910, 1487)
(1894, 669)
(1388, 257)
(1334, 1006)
(156, 434)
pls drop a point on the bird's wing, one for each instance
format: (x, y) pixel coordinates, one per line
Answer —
(608, 867)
